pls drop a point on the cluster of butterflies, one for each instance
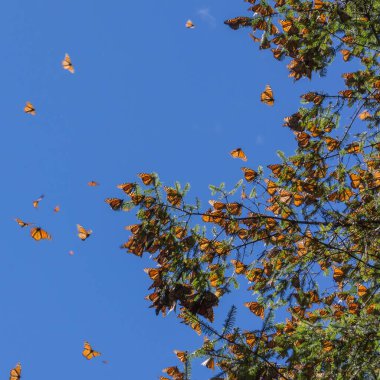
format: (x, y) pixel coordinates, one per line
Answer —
(37, 233)
(88, 352)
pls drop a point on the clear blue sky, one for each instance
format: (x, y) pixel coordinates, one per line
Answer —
(148, 95)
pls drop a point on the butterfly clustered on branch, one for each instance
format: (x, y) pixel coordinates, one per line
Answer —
(304, 233)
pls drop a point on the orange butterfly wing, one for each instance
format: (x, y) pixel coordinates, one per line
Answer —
(29, 109)
(267, 96)
(21, 223)
(189, 24)
(37, 233)
(15, 373)
(88, 352)
(115, 203)
(238, 153)
(83, 234)
(67, 65)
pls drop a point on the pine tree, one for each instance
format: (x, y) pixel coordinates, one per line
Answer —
(304, 234)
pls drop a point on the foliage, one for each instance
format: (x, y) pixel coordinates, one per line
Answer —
(304, 235)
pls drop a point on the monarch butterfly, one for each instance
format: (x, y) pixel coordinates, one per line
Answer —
(255, 308)
(21, 223)
(250, 338)
(287, 26)
(57, 208)
(88, 352)
(237, 22)
(83, 234)
(238, 153)
(128, 188)
(37, 201)
(318, 4)
(249, 174)
(181, 355)
(146, 178)
(362, 290)
(29, 109)
(365, 115)
(93, 183)
(173, 197)
(67, 65)
(209, 363)
(271, 187)
(240, 268)
(37, 233)
(327, 346)
(171, 371)
(15, 373)
(189, 24)
(153, 273)
(338, 275)
(346, 54)
(331, 143)
(234, 208)
(115, 203)
(267, 96)
(217, 205)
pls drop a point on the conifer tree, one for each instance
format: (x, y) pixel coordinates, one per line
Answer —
(302, 238)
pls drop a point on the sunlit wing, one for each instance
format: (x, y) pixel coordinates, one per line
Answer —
(238, 153)
(83, 234)
(15, 373)
(21, 223)
(37, 201)
(67, 65)
(29, 109)
(88, 351)
(37, 233)
(267, 96)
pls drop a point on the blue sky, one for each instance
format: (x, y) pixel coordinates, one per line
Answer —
(148, 95)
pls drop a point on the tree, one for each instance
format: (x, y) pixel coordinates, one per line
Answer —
(304, 234)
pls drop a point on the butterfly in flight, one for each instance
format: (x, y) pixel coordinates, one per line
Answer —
(83, 233)
(57, 208)
(37, 201)
(67, 65)
(267, 96)
(29, 109)
(238, 153)
(88, 352)
(189, 24)
(37, 233)
(93, 183)
(21, 223)
(15, 373)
